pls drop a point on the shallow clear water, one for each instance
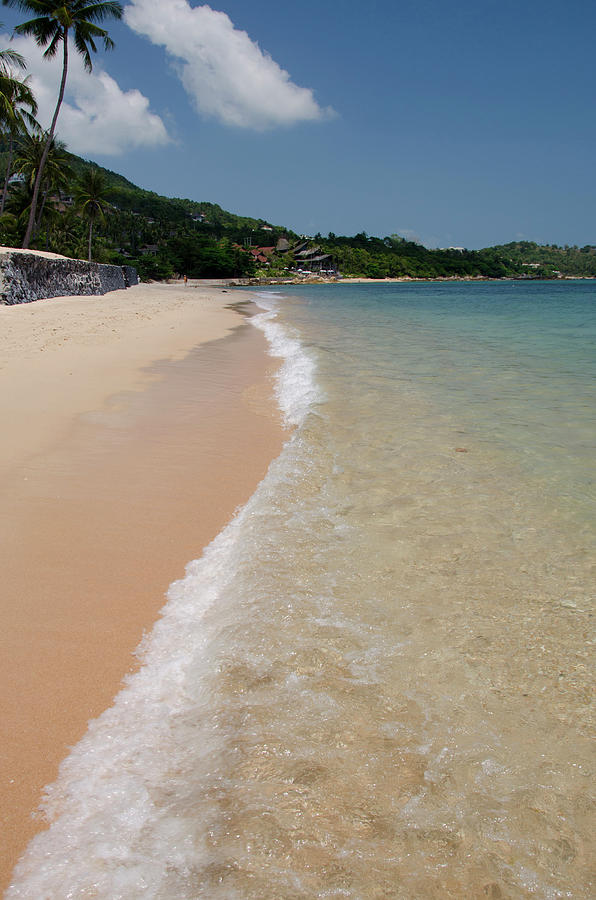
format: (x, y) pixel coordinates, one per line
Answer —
(377, 680)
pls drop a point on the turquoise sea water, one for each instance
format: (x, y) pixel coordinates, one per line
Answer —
(376, 682)
(514, 363)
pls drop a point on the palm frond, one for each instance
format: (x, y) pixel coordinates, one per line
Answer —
(53, 45)
(10, 58)
(84, 44)
(98, 12)
(14, 96)
(36, 6)
(30, 122)
(41, 29)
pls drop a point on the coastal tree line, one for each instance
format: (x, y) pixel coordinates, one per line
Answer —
(395, 257)
(164, 237)
(53, 200)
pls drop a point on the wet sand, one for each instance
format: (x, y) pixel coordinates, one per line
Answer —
(115, 471)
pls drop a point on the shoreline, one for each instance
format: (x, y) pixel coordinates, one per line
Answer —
(137, 424)
(473, 279)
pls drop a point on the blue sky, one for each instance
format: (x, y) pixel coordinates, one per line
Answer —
(461, 124)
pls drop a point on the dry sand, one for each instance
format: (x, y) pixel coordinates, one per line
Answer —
(125, 449)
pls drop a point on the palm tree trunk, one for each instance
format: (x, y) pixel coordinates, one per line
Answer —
(90, 237)
(37, 225)
(8, 173)
(38, 177)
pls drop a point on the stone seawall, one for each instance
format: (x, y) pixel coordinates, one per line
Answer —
(27, 276)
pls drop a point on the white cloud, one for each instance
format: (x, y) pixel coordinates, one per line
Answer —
(97, 116)
(225, 73)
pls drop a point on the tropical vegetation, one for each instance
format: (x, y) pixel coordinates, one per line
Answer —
(18, 108)
(91, 196)
(53, 23)
(396, 257)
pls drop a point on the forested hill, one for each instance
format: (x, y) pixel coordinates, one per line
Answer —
(163, 236)
(549, 258)
(128, 197)
(395, 257)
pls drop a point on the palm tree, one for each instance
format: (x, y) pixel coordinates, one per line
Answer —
(18, 117)
(54, 21)
(91, 198)
(65, 234)
(55, 175)
(10, 61)
(17, 106)
(30, 153)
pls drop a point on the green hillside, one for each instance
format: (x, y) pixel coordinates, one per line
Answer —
(548, 259)
(163, 236)
(394, 257)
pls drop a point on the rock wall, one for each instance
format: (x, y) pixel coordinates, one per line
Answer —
(130, 275)
(29, 276)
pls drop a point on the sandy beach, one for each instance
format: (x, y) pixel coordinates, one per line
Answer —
(134, 424)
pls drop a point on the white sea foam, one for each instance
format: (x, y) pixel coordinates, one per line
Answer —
(297, 390)
(108, 835)
(120, 813)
